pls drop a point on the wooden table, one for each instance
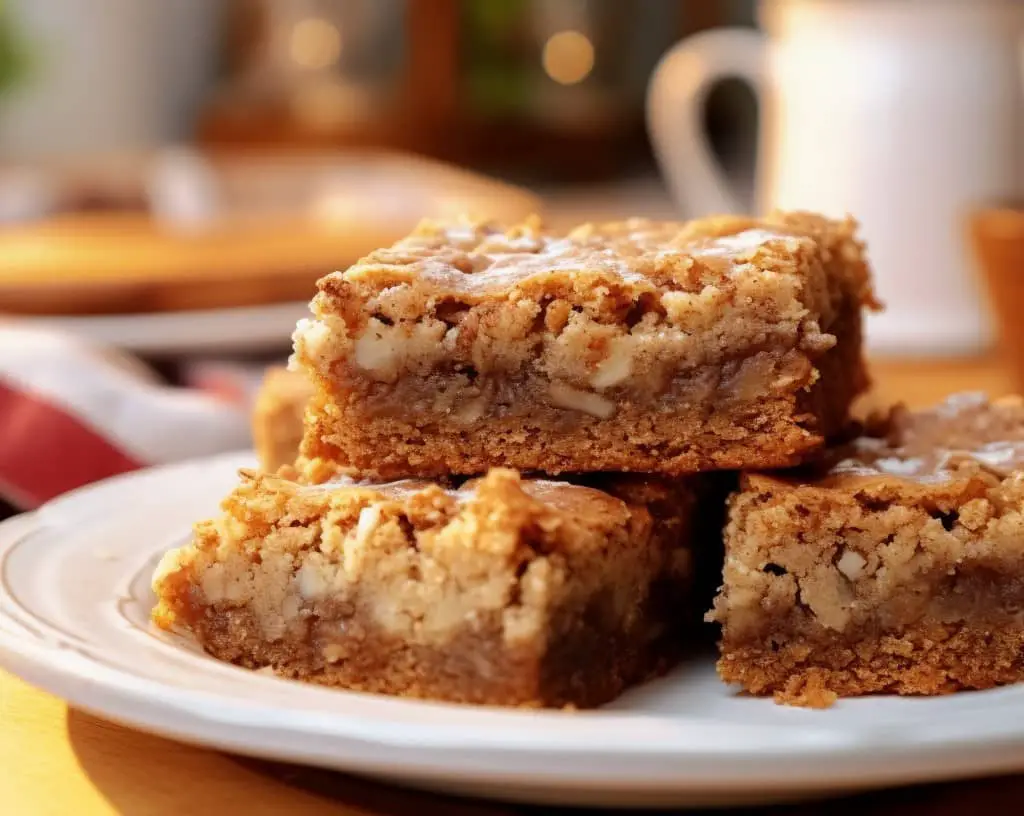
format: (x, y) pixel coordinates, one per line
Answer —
(60, 761)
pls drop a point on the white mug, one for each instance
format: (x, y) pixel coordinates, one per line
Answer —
(902, 113)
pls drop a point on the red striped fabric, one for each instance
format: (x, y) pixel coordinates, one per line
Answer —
(45, 451)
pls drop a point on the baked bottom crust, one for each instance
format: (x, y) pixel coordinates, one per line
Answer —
(927, 658)
(638, 441)
(588, 664)
(501, 591)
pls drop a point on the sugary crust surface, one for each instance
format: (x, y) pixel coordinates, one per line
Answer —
(898, 569)
(465, 335)
(277, 418)
(501, 590)
(482, 260)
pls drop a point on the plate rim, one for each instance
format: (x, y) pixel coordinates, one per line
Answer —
(228, 328)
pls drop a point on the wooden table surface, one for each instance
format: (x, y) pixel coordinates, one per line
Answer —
(60, 761)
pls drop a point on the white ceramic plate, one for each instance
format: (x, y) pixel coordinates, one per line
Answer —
(209, 331)
(74, 601)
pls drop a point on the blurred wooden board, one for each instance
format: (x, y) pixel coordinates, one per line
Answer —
(287, 220)
(119, 263)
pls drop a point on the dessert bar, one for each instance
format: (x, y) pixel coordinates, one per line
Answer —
(632, 346)
(899, 569)
(502, 590)
(277, 417)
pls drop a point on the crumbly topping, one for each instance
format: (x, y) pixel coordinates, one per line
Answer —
(481, 256)
(420, 560)
(558, 495)
(604, 314)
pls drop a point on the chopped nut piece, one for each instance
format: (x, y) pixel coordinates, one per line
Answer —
(575, 399)
(616, 367)
(851, 564)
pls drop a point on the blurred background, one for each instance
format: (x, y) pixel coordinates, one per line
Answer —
(200, 163)
(174, 176)
(531, 89)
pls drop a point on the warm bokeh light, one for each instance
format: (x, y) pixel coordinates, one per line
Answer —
(337, 209)
(568, 57)
(315, 43)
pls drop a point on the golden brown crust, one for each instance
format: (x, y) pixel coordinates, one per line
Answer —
(900, 569)
(631, 346)
(500, 590)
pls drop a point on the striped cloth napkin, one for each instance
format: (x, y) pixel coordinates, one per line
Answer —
(72, 412)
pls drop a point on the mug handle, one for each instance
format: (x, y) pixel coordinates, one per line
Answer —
(675, 100)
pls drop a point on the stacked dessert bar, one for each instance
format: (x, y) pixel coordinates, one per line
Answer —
(511, 463)
(643, 347)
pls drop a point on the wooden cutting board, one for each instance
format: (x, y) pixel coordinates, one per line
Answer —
(284, 222)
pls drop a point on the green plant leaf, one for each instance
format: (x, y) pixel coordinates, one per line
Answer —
(15, 55)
